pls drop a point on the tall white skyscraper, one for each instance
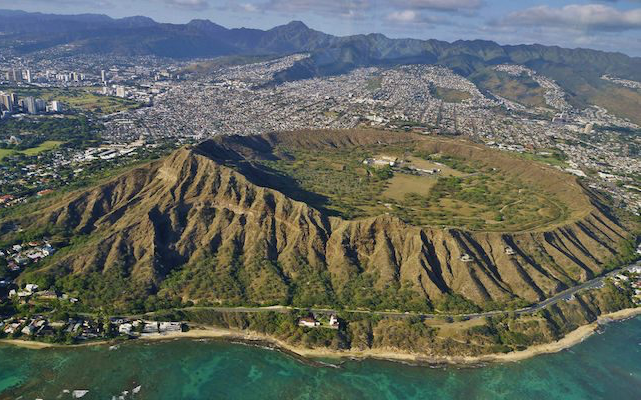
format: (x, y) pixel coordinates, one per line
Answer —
(103, 76)
(56, 106)
(28, 75)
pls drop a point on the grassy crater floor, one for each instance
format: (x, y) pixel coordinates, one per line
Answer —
(463, 193)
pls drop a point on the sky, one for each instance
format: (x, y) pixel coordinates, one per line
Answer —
(611, 25)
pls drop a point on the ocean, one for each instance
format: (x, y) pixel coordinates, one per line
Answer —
(604, 366)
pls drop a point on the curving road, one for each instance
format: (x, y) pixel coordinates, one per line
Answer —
(562, 296)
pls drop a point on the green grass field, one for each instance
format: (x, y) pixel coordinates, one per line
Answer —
(80, 98)
(554, 158)
(48, 145)
(463, 194)
(5, 152)
(45, 146)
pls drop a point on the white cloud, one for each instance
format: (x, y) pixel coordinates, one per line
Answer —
(189, 4)
(412, 17)
(338, 8)
(440, 5)
(249, 7)
(403, 16)
(596, 17)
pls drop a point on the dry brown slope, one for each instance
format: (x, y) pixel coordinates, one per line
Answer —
(172, 213)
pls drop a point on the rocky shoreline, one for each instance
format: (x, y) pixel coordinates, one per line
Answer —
(313, 356)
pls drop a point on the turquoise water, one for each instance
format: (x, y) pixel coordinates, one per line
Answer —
(606, 366)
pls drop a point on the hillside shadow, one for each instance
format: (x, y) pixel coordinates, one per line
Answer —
(262, 175)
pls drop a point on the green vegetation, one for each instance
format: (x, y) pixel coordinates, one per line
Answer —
(44, 146)
(552, 157)
(521, 89)
(5, 152)
(627, 252)
(451, 95)
(80, 98)
(334, 181)
(211, 256)
(465, 194)
(374, 83)
(456, 304)
(41, 134)
(620, 101)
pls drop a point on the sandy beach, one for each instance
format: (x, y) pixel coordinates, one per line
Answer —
(569, 340)
(206, 332)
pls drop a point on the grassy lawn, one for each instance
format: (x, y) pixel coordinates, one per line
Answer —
(5, 152)
(45, 146)
(401, 185)
(552, 159)
(465, 193)
(81, 98)
(48, 145)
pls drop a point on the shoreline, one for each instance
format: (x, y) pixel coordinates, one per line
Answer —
(311, 356)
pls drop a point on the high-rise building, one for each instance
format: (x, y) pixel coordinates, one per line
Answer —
(103, 76)
(41, 105)
(30, 105)
(120, 91)
(17, 75)
(6, 102)
(28, 75)
(14, 99)
(56, 106)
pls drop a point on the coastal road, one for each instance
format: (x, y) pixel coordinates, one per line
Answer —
(565, 295)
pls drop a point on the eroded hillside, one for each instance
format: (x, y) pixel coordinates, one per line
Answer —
(201, 225)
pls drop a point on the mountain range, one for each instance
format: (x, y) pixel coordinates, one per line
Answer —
(94, 33)
(577, 71)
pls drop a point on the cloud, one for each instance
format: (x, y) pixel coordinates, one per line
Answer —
(248, 7)
(189, 4)
(340, 8)
(403, 16)
(590, 17)
(395, 9)
(64, 3)
(412, 17)
(440, 5)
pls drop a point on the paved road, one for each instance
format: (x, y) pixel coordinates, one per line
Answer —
(562, 296)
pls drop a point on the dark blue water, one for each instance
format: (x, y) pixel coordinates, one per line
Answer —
(606, 366)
